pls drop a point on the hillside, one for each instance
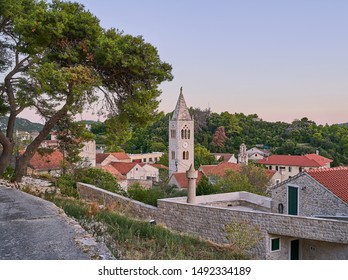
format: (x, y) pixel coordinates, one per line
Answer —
(21, 124)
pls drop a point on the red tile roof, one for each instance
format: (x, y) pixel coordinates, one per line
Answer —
(121, 156)
(113, 171)
(206, 169)
(318, 158)
(221, 168)
(311, 160)
(101, 157)
(182, 181)
(50, 161)
(334, 179)
(123, 167)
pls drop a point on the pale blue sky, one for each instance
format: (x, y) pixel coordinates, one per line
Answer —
(280, 59)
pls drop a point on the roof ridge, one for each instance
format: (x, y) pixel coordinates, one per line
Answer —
(317, 170)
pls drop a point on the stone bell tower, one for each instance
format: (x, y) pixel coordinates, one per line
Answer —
(181, 138)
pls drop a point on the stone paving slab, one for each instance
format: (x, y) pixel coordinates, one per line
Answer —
(34, 229)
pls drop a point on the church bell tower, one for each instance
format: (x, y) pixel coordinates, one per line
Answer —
(181, 138)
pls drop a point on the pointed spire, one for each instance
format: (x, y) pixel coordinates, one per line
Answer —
(181, 111)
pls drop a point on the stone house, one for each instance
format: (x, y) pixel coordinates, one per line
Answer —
(313, 193)
(289, 165)
(316, 193)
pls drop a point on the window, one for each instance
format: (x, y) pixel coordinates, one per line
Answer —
(290, 168)
(185, 133)
(277, 168)
(185, 155)
(275, 244)
(270, 167)
(173, 155)
(173, 133)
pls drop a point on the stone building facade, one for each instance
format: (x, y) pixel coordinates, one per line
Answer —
(310, 197)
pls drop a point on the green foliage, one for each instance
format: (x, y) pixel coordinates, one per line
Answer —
(204, 187)
(55, 57)
(148, 196)
(299, 137)
(67, 185)
(93, 176)
(9, 174)
(98, 178)
(203, 156)
(251, 179)
(242, 236)
(151, 195)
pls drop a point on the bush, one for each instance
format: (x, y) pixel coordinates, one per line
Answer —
(98, 178)
(67, 185)
(148, 196)
(9, 174)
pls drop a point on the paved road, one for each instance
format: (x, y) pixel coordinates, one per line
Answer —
(34, 229)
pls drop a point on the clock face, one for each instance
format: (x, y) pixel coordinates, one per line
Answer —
(185, 145)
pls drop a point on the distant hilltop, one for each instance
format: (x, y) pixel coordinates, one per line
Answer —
(21, 124)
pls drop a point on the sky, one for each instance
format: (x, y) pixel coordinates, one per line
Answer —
(282, 60)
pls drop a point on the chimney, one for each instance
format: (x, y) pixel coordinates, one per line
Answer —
(191, 175)
(317, 152)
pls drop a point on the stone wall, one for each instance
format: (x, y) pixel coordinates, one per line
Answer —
(112, 201)
(208, 222)
(314, 199)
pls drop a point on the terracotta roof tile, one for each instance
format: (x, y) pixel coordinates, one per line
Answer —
(50, 161)
(334, 179)
(311, 160)
(181, 178)
(221, 168)
(101, 157)
(121, 156)
(113, 171)
(123, 167)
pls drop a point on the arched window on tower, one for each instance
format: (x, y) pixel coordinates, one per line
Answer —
(185, 155)
(185, 132)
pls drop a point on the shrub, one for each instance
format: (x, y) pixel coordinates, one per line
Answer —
(243, 236)
(67, 185)
(98, 178)
(148, 196)
(9, 174)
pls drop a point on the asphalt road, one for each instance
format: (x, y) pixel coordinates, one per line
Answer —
(34, 229)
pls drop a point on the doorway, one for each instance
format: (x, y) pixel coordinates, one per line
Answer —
(292, 200)
(295, 249)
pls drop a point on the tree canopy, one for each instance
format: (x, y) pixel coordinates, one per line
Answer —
(57, 59)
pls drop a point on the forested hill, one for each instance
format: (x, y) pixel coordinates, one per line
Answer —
(21, 124)
(224, 132)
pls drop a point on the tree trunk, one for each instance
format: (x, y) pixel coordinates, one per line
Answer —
(6, 156)
(23, 160)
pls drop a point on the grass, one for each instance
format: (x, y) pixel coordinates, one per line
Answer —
(132, 239)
